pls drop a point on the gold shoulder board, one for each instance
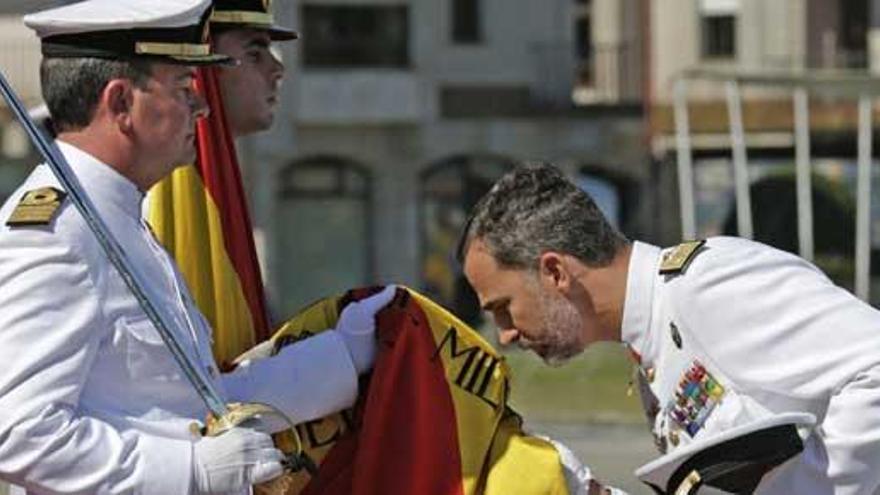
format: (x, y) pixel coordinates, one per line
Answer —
(37, 207)
(676, 260)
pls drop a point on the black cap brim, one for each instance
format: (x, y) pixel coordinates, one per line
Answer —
(202, 60)
(278, 33)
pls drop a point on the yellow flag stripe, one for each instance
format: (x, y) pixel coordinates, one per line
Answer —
(497, 458)
(187, 220)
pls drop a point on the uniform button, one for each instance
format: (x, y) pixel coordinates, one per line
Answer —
(195, 429)
(649, 375)
(673, 438)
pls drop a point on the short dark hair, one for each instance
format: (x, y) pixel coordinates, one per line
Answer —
(71, 87)
(534, 209)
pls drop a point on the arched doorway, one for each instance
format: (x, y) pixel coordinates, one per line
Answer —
(324, 232)
(449, 190)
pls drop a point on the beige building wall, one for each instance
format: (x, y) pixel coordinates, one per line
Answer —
(769, 36)
(20, 59)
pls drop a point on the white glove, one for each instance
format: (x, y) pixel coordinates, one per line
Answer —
(233, 461)
(357, 327)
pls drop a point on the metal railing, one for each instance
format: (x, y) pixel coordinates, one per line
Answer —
(858, 86)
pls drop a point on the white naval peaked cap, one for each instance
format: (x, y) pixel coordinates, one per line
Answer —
(174, 31)
(732, 461)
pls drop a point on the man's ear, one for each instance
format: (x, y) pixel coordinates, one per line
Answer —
(117, 98)
(553, 271)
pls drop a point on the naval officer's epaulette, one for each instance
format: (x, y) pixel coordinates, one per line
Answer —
(37, 207)
(678, 258)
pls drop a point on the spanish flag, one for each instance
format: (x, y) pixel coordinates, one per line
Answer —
(432, 419)
(200, 215)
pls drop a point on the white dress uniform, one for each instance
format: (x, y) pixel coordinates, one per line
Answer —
(746, 332)
(91, 400)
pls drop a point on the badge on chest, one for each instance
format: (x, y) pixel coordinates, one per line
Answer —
(685, 391)
(696, 395)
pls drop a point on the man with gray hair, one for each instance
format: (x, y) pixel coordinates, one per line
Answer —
(726, 333)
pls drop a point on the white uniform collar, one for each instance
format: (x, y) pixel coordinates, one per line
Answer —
(101, 179)
(644, 264)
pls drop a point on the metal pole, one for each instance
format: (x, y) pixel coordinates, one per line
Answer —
(863, 201)
(685, 166)
(129, 274)
(740, 162)
(803, 169)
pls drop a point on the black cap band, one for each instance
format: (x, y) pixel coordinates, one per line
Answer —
(183, 45)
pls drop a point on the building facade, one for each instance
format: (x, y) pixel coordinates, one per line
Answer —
(397, 115)
(818, 39)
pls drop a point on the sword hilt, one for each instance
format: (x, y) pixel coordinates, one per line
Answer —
(250, 415)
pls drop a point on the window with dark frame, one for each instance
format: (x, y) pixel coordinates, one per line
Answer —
(355, 36)
(853, 34)
(583, 34)
(718, 36)
(718, 25)
(466, 22)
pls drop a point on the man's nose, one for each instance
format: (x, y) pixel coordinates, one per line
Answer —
(276, 68)
(507, 336)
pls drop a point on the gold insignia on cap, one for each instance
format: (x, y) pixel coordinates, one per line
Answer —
(677, 260)
(172, 49)
(242, 17)
(267, 5)
(37, 207)
(690, 483)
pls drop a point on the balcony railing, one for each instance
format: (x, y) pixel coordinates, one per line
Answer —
(842, 59)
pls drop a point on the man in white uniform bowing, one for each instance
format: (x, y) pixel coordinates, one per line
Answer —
(731, 337)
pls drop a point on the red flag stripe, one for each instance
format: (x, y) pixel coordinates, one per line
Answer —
(409, 412)
(407, 436)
